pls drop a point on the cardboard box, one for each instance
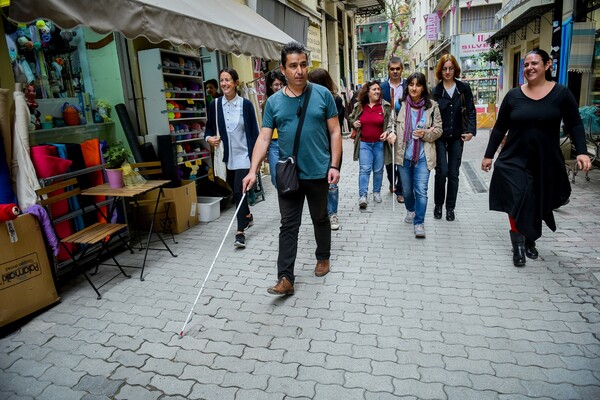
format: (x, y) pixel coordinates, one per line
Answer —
(181, 203)
(209, 208)
(26, 283)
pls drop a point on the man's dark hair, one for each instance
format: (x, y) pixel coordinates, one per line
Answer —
(212, 82)
(395, 60)
(292, 48)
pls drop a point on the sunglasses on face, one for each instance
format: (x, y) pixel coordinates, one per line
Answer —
(395, 69)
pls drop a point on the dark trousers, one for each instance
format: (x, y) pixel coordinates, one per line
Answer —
(449, 155)
(234, 179)
(398, 183)
(290, 206)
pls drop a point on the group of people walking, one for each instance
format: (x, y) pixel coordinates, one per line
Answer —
(407, 128)
(415, 133)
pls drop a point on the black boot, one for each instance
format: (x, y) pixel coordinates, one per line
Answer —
(518, 244)
(437, 212)
(530, 250)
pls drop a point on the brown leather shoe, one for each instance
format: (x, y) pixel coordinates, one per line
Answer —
(322, 268)
(283, 287)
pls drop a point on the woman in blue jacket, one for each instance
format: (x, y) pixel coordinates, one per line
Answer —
(238, 128)
(459, 125)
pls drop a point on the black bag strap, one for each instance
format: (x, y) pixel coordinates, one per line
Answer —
(463, 112)
(302, 115)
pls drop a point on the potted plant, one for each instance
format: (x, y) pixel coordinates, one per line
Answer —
(115, 157)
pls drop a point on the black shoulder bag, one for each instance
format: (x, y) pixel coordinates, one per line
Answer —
(287, 169)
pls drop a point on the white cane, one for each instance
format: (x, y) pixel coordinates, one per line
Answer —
(393, 151)
(212, 265)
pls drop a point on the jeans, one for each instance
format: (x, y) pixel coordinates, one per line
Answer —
(332, 199)
(273, 158)
(290, 207)
(234, 179)
(415, 178)
(370, 159)
(398, 181)
(449, 154)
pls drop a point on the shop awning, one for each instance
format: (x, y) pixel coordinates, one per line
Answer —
(223, 25)
(437, 49)
(522, 20)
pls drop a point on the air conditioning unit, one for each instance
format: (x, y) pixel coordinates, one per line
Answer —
(441, 36)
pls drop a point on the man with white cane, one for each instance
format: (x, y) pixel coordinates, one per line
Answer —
(305, 129)
(391, 91)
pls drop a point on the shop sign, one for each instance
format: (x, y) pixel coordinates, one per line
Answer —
(314, 43)
(472, 45)
(432, 27)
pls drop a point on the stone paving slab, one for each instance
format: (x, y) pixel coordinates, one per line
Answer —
(447, 317)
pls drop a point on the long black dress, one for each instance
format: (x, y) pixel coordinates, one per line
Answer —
(530, 179)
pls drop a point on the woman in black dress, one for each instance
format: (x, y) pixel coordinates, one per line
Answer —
(530, 179)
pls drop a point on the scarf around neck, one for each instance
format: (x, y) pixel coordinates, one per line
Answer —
(408, 126)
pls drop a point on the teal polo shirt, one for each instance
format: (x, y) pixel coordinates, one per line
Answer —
(314, 154)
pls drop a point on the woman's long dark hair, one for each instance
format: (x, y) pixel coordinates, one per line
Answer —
(545, 58)
(363, 96)
(272, 76)
(421, 80)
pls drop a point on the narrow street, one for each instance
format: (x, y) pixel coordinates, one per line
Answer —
(448, 317)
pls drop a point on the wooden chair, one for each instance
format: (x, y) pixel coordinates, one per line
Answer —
(153, 170)
(93, 238)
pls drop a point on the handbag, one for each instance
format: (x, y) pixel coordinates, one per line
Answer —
(219, 167)
(287, 168)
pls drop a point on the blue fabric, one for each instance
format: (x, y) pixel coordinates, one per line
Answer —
(7, 195)
(332, 200)
(370, 159)
(567, 33)
(281, 112)
(415, 179)
(273, 158)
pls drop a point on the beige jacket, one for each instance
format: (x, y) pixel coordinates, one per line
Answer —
(434, 125)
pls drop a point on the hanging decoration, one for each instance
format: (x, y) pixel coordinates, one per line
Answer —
(469, 4)
(440, 13)
(371, 29)
(453, 7)
(413, 19)
(402, 23)
(425, 17)
(380, 28)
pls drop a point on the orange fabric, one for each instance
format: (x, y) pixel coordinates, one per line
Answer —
(91, 155)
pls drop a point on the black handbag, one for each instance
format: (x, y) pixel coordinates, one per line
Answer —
(287, 168)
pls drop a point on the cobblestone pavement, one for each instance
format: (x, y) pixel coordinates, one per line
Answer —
(448, 317)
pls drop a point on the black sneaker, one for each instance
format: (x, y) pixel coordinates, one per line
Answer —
(240, 241)
(249, 221)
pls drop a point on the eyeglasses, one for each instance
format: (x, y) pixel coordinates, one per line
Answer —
(395, 69)
(448, 69)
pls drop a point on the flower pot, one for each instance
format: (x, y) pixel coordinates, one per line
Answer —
(115, 178)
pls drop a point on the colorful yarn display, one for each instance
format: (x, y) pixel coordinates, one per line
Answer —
(8, 212)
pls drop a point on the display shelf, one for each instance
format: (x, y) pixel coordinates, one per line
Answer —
(189, 140)
(73, 134)
(485, 90)
(174, 80)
